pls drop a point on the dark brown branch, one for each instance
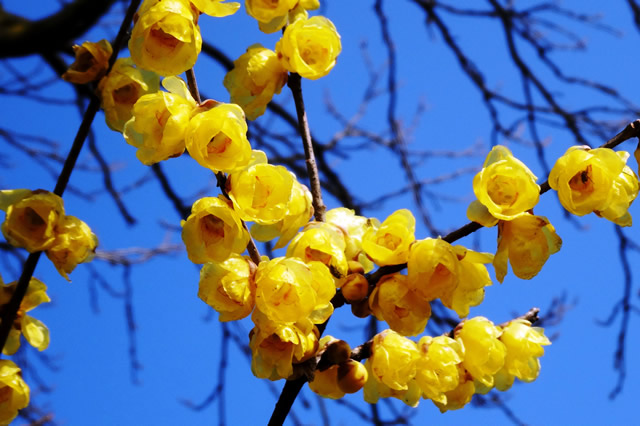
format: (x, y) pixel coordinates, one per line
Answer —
(295, 84)
(21, 37)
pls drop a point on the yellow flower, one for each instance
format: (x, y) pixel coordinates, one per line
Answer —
(484, 353)
(460, 396)
(393, 359)
(213, 231)
(36, 333)
(159, 122)
(166, 38)
(433, 269)
(527, 242)
(389, 243)
(261, 193)
(14, 392)
(121, 89)
(270, 14)
(217, 139)
(216, 8)
(354, 227)
(309, 47)
(91, 63)
(595, 180)
(299, 211)
(74, 244)
(322, 242)
(524, 347)
(277, 346)
(437, 366)
(375, 389)
(473, 277)
(392, 301)
(256, 76)
(288, 290)
(505, 186)
(32, 219)
(229, 287)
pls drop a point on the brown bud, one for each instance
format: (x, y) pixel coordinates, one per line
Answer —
(355, 267)
(352, 376)
(355, 287)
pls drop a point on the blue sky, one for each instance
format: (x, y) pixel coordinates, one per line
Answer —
(178, 339)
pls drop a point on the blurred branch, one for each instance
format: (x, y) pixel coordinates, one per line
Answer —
(22, 37)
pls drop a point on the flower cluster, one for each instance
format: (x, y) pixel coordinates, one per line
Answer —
(36, 221)
(507, 192)
(449, 370)
(289, 296)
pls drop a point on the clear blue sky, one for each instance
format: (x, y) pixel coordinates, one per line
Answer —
(178, 340)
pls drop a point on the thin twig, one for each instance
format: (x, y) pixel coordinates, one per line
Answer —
(295, 84)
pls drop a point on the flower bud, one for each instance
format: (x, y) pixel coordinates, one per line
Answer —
(354, 287)
(352, 376)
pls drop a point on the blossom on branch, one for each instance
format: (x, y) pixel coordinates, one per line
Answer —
(213, 231)
(595, 180)
(33, 330)
(159, 122)
(217, 139)
(75, 243)
(309, 47)
(91, 63)
(505, 187)
(165, 38)
(120, 90)
(256, 76)
(32, 219)
(15, 392)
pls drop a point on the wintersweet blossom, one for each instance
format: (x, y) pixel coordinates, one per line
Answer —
(159, 123)
(526, 242)
(473, 277)
(15, 392)
(289, 290)
(595, 180)
(309, 47)
(393, 359)
(276, 346)
(323, 242)
(354, 227)
(261, 193)
(213, 231)
(394, 302)
(388, 243)
(437, 367)
(121, 89)
(299, 211)
(216, 8)
(505, 187)
(32, 219)
(256, 76)
(91, 62)
(270, 14)
(33, 330)
(75, 243)
(217, 139)
(484, 352)
(433, 268)
(165, 38)
(229, 287)
(461, 395)
(524, 346)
